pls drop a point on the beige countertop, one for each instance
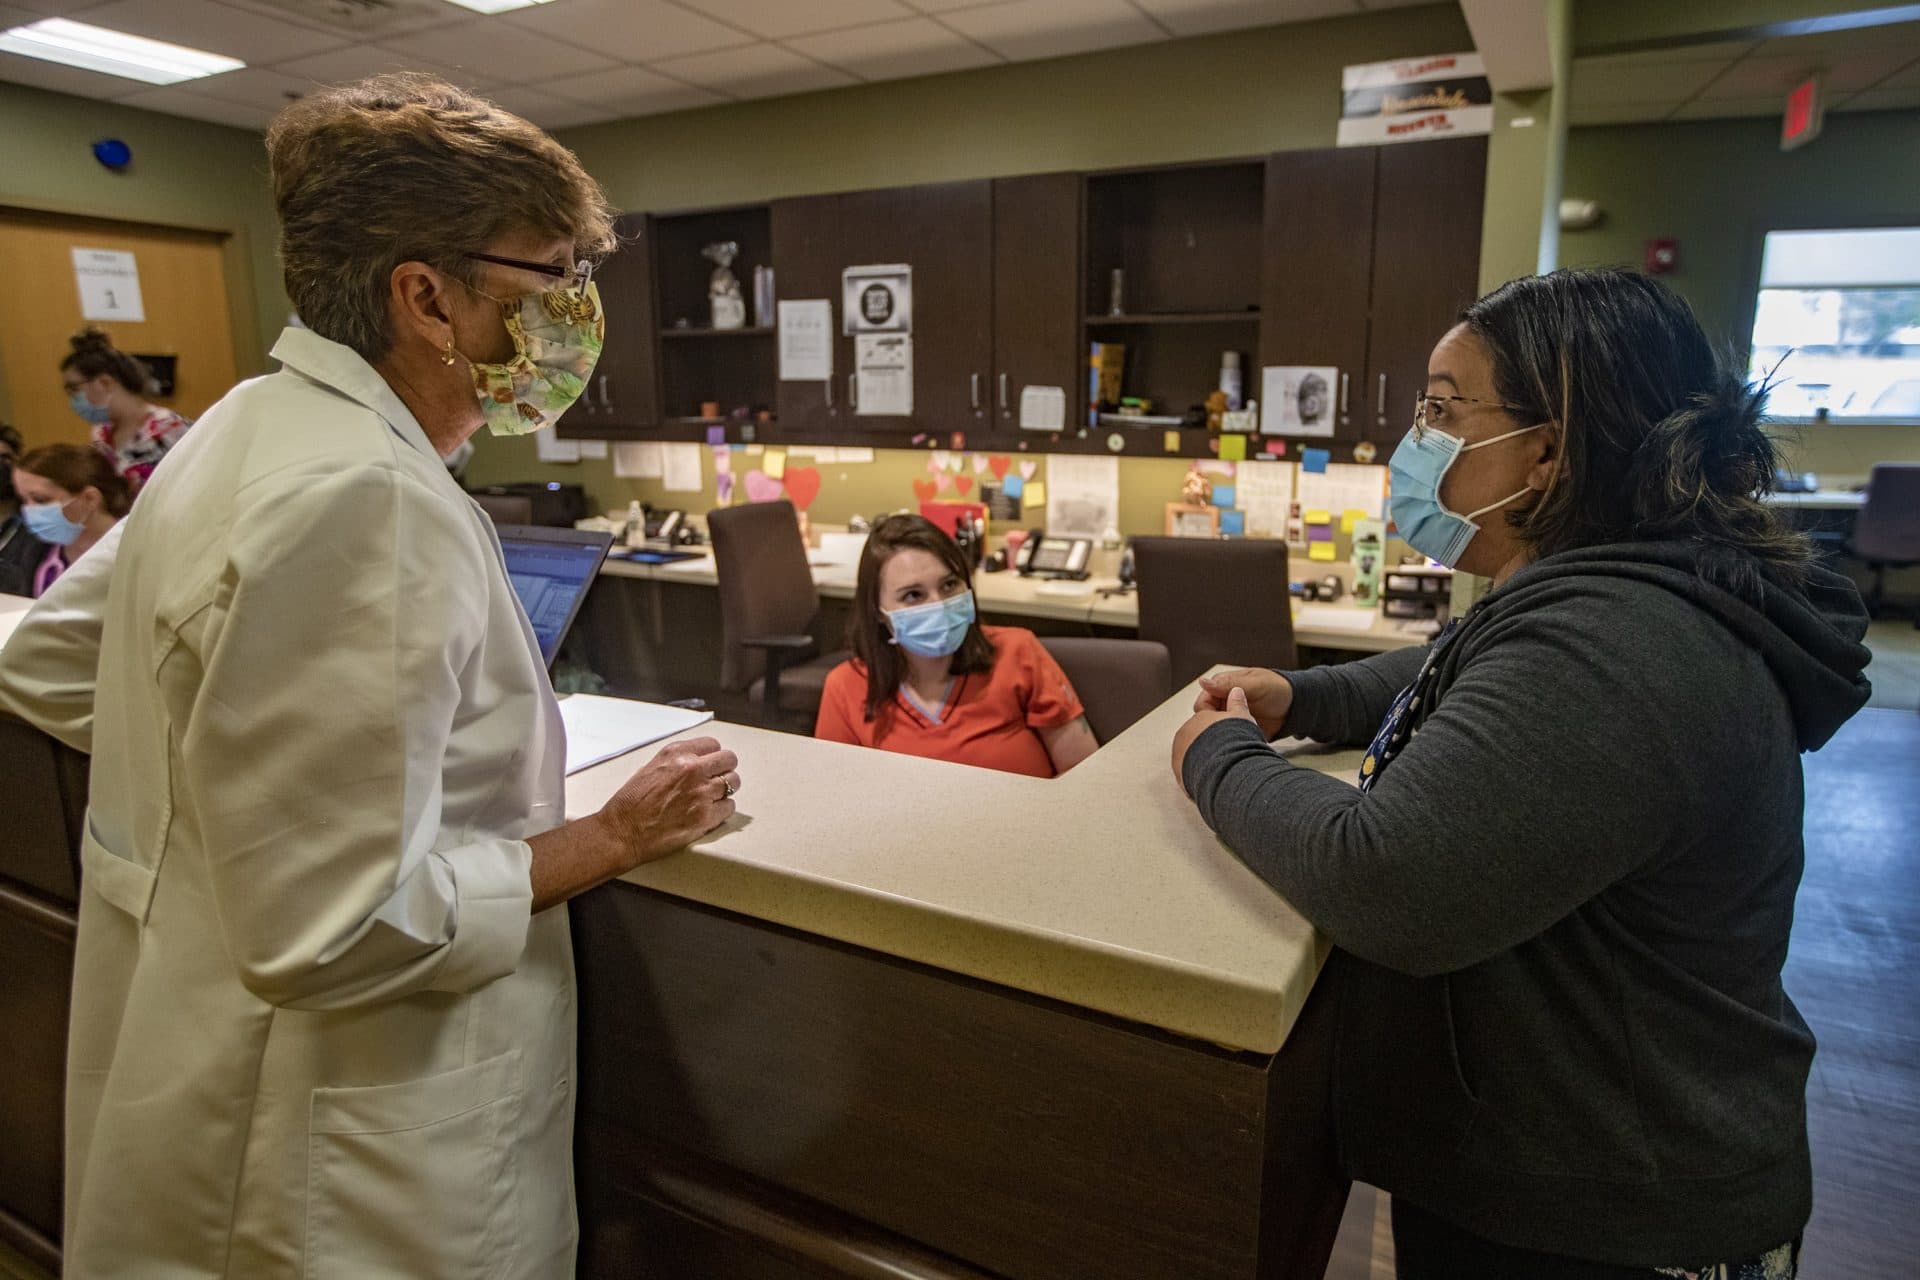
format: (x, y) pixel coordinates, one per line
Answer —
(1102, 889)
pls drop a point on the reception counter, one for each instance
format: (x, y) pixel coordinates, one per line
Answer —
(904, 1018)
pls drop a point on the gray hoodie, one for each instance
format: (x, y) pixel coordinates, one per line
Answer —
(1561, 912)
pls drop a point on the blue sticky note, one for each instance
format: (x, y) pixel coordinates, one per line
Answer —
(1223, 495)
(1014, 486)
(1233, 522)
(716, 435)
(1314, 460)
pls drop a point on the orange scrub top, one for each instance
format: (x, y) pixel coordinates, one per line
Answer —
(990, 718)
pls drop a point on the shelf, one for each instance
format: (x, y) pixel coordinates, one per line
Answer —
(1178, 317)
(755, 332)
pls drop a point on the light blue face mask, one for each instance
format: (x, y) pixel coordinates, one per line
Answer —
(49, 523)
(933, 630)
(94, 413)
(1423, 521)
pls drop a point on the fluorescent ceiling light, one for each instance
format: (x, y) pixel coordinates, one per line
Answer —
(77, 44)
(498, 6)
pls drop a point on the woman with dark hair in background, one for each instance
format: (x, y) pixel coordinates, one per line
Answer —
(1560, 897)
(109, 389)
(20, 552)
(927, 679)
(70, 497)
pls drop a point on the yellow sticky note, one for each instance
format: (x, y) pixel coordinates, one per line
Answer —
(774, 463)
(1349, 516)
(1320, 551)
(1316, 517)
(1233, 448)
(1034, 498)
(1171, 440)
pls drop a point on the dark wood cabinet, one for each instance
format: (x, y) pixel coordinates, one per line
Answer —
(1036, 296)
(807, 261)
(953, 272)
(1315, 292)
(622, 399)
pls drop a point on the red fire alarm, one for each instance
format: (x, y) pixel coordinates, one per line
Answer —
(1806, 112)
(1663, 256)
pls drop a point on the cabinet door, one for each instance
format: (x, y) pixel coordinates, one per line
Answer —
(1036, 294)
(876, 227)
(1316, 273)
(622, 399)
(806, 264)
(952, 258)
(1426, 268)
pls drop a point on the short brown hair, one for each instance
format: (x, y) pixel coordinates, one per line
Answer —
(408, 168)
(74, 467)
(867, 632)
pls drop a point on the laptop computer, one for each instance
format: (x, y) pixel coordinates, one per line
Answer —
(550, 570)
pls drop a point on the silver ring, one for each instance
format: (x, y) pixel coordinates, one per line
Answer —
(726, 789)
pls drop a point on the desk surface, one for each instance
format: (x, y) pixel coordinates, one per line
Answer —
(1102, 889)
(1009, 593)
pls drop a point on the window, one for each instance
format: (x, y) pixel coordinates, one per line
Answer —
(1837, 323)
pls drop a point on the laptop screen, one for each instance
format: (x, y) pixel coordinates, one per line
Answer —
(551, 570)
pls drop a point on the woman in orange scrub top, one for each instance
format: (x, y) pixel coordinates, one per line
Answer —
(927, 679)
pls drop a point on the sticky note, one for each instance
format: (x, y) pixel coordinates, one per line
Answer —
(1013, 486)
(716, 435)
(1278, 448)
(774, 463)
(1223, 495)
(1320, 551)
(1316, 517)
(1314, 460)
(1171, 441)
(1036, 495)
(1320, 533)
(1233, 522)
(1350, 515)
(1233, 447)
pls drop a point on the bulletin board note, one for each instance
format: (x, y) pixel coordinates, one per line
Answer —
(1343, 487)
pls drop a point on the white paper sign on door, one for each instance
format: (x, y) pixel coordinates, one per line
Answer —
(109, 285)
(883, 366)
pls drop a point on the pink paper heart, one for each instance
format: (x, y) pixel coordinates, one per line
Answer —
(1027, 467)
(943, 481)
(762, 487)
(979, 464)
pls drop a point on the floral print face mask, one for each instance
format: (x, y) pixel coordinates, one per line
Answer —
(557, 336)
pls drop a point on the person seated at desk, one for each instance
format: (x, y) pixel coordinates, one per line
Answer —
(70, 497)
(927, 679)
(20, 552)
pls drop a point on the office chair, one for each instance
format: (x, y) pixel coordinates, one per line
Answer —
(506, 508)
(1212, 602)
(768, 607)
(43, 792)
(1886, 534)
(1118, 680)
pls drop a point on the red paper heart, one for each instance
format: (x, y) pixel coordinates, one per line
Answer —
(963, 483)
(803, 485)
(925, 489)
(999, 463)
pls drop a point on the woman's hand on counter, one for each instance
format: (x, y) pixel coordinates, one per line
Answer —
(1234, 707)
(1269, 696)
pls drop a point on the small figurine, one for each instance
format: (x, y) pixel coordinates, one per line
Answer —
(1195, 489)
(723, 290)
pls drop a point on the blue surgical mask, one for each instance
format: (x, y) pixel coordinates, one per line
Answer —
(95, 413)
(1417, 467)
(933, 630)
(49, 523)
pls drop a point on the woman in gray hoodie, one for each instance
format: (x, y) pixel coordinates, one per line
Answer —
(1560, 898)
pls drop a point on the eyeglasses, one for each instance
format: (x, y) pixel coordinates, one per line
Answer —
(575, 277)
(1420, 410)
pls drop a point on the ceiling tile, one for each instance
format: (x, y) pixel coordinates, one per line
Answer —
(177, 101)
(754, 71)
(947, 6)
(778, 19)
(63, 79)
(56, 8)
(1626, 79)
(1619, 113)
(1883, 100)
(352, 21)
(1025, 29)
(630, 91)
(1391, 4)
(548, 110)
(490, 48)
(1888, 35)
(1907, 78)
(357, 62)
(1201, 17)
(216, 28)
(630, 30)
(1714, 51)
(1729, 108)
(891, 50)
(1758, 77)
(259, 87)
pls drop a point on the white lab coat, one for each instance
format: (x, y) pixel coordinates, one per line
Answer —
(316, 1031)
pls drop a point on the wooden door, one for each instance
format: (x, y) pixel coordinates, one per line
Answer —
(183, 292)
(1426, 267)
(952, 259)
(1036, 294)
(1317, 272)
(806, 263)
(623, 398)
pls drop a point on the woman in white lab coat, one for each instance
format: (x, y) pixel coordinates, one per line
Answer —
(323, 1018)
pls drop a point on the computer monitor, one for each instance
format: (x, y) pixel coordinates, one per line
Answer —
(551, 570)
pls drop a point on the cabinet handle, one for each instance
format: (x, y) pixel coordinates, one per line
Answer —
(973, 391)
(1344, 379)
(1005, 412)
(827, 387)
(1380, 401)
(853, 392)
(606, 400)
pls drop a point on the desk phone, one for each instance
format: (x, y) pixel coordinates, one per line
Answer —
(1042, 556)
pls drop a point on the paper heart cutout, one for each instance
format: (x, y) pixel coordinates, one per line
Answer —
(937, 460)
(979, 464)
(1000, 463)
(925, 490)
(943, 481)
(1027, 467)
(964, 484)
(803, 485)
(761, 487)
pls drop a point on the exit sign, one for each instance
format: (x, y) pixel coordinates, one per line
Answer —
(1806, 112)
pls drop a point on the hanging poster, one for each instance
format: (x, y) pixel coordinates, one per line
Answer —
(877, 299)
(883, 373)
(806, 339)
(1414, 99)
(1297, 400)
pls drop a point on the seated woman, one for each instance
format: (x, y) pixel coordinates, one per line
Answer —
(927, 679)
(70, 496)
(109, 388)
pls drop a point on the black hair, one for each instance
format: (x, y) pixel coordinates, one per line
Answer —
(94, 354)
(867, 633)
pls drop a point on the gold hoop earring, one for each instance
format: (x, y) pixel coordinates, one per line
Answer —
(446, 357)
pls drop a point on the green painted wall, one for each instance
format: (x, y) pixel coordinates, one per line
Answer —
(1719, 186)
(185, 173)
